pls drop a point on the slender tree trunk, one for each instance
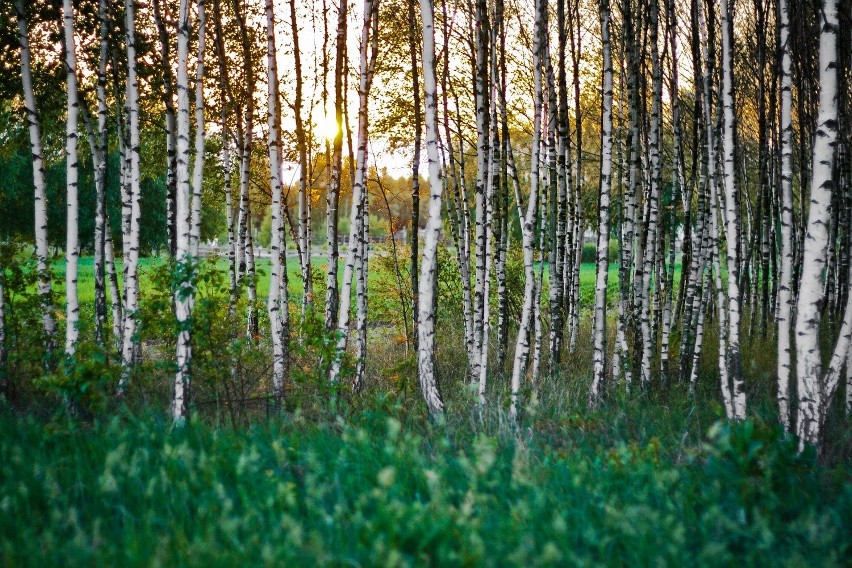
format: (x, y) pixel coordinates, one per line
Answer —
(602, 269)
(650, 285)
(48, 321)
(528, 220)
(358, 212)
(809, 368)
(677, 185)
(225, 96)
(332, 197)
(171, 133)
(482, 131)
(114, 289)
(429, 266)
(98, 143)
(302, 150)
(245, 238)
(733, 357)
(198, 163)
(184, 293)
(629, 208)
(129, 342)
(274, 306)
(415, 168)
(785, 296)
(503, 248)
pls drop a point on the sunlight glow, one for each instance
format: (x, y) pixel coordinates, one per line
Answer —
(327, 127)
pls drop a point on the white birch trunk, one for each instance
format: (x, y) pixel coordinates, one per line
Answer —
(198, 163)
(785, 295)
(429, 265)
(527, 220)
(116, 303)
(358, 212)
(131, 245)
(98, 144)
(332, 196)
(72, 237)
(48, 320)
(650, 285)
(808, 360)
(731, 216)
(185, 262)
(602, 268)
(273, 303)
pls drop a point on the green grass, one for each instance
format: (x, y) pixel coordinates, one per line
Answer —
(86, 282)
(86, 274)
(385, 487)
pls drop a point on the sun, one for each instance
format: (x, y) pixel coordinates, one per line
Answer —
(327, 127)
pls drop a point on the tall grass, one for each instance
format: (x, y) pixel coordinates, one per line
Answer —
(381, 485)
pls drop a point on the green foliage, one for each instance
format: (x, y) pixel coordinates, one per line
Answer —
(86, 381)
(312, 357)
(590, 252)
(385, 487)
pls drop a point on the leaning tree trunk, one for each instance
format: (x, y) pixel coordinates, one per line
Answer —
(183, 208)
(602, 269)
(429, 266)
(48, 321)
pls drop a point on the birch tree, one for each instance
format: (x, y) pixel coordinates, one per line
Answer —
(130, 242)
(522, 343)
(733, 357)
(429, 264)
(198, 162)
(171, 133)
(98, 148)
(785, 297)
(48, 321)
(357, 251)
(301, 148)
(72, 237)
(183, 204)
(602, 265)
(332, 196)
(815, 384)
(274, 305)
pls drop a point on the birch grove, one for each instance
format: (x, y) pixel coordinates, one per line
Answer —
(640, 198)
